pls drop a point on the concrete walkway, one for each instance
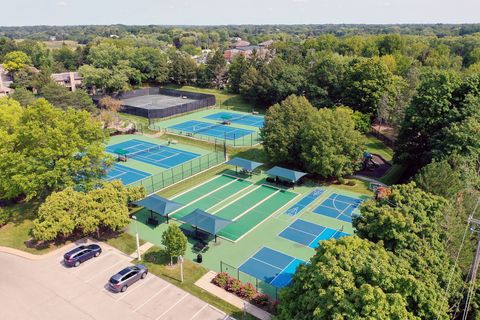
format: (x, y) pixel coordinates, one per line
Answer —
(143, 248)
(206, 284)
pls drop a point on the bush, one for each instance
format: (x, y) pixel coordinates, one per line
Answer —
(4, 216)
(341, 180)
(234, 285)
(351, 183)
(247, 291)
(221, 279)
(261, 300)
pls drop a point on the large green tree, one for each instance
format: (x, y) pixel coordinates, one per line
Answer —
(47, 149)
(16, 60)
(282, 132)
(174, 241)
(330, 144)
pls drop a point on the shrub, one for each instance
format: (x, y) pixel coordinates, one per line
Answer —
(247, 291)
(4, 216)
(221, 279)
(261, 300)
(341, 180)
(351, 183)
(234, 285)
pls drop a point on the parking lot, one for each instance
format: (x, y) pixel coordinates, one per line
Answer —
(46, 289)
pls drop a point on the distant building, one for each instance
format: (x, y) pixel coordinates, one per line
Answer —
(5, 82)
(71, 80)
(245, 49)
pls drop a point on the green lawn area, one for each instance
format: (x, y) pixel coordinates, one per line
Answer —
(393, 175)
(158, 263)
(124, 242)
(376, 146)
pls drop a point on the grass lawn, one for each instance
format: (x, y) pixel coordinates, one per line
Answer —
(393, 175)
(158, 263)
(124, 242)
(376, 146)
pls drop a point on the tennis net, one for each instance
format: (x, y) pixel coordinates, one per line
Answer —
(205, 128)
(141, 152)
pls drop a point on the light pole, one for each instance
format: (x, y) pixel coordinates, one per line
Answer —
(137, 238)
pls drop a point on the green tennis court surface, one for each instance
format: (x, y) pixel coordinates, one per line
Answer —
(245, 203)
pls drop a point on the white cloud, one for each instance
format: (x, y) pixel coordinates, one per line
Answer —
(62, 3)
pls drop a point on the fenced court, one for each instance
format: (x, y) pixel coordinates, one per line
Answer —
(339, 207)
(125, 174)
(245, 119)
(271, 266)
(236, 199)
(219, 131)
(151, 153)
(309, 234)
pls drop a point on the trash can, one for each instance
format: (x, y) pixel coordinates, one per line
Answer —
(199, 258)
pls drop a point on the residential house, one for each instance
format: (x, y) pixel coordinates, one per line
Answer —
(242, 47)
(5, 81)
(71, 80)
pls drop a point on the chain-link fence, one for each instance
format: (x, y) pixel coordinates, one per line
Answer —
(170, 176)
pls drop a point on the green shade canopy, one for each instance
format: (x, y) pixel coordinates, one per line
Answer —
(206, 221)
(159, 205)
(285, 173)
(244, 163)
(120, 152)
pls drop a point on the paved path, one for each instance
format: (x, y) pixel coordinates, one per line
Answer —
(43, 288)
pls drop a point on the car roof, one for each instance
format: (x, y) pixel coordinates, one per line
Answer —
(76, 250)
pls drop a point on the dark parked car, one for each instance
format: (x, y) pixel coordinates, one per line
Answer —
(128, 276)
(74, 257)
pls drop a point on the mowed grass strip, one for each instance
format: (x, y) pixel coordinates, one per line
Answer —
(246, 202)
(213, 198)
(252, 218)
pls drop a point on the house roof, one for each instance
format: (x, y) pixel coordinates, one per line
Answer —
(65, 76)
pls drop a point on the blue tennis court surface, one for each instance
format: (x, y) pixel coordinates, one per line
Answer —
(247, 119)
(151, 153)
(304, 202)
(271, 266)
(339, 207)
(213, 130)
(309, 234)
(125, 174)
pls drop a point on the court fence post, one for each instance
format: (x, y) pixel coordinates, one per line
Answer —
(153, 188)
(221, 266)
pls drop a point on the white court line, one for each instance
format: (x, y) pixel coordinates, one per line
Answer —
(268, 264)
(200, 198)
(172, 306)
(228, 198)
(132, 290)
(99, 273)
(198, 312)
(149, 299)
(282, 271)
(312, 234)
(118, 175)
(246, 194)
(256, 205)
(197, 186)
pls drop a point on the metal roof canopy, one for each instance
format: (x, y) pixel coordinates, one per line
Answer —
(206, 221)
(285, 173)
(244, 163)
(159, 205)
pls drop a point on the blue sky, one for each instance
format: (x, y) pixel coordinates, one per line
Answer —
(214, 12)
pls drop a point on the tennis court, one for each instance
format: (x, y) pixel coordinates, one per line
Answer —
(213, 130)
(151, 153)
(271, 266)
(304, 202)
(339, 207)
(125, 174)
(245, 119)
(236, 199)
(309, 234)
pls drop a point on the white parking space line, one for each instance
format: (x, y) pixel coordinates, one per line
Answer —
(132, 290)
(172, 306)
(146, 301)
(101, 272)
(198, 312)
(85, 266)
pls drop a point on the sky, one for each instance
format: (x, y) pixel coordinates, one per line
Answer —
(222, 12)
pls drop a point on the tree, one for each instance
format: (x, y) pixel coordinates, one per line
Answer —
(61, 97)
(182, 68)
(330, 145)
(282, 130)
(216, 69)
(175, 241)
(24, 96)
(49, 149)
(16, 60)
(440, 178)
(151, 63)
(237, 68)
(68, 211)
(375, 284)
(95, 78)
(364, 83)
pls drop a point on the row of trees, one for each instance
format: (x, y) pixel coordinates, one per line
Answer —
(67, 212)
(324, 142)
